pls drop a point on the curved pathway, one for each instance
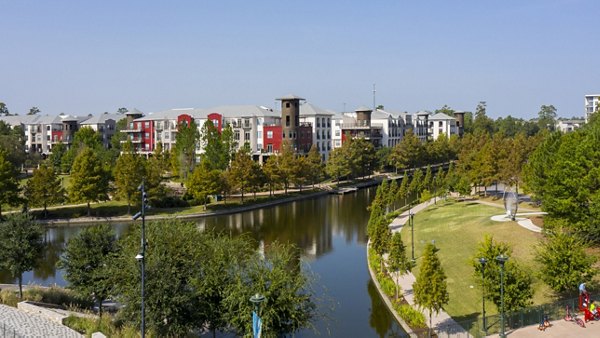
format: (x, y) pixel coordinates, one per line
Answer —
(17, 323)
(442, 323)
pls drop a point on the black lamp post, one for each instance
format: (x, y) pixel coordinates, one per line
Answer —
(257, 299)
(412, 233)
(483, 261)
(141, 257)
(502, 260)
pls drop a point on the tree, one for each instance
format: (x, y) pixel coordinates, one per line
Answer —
(87, 262)
(58, 151)
(12, 142)
(564, 261)
(214, 149)
(33, 111)
(89, 181)
(21, 245)
(430, 287)
(337, 166)
(4, 110)
(408, 153)
(241, 170)
(397, 260)
(128, 174)
(44, 187)
(314, 166)
(204, 182)
(286, 284)
(272, 172)
(416, 183)
(482, 122)
(362, 157)
(288, 164)
(122, 110)
(9, 185)
(380, 238)
(517, 282)
(547, 117)
(184, 152)
(172, 304)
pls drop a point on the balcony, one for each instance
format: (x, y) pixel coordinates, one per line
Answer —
(362, 126)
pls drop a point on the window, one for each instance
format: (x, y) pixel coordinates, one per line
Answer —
(287, 121)
(258, 135)
(329, 134)
(337, 133)
(167, 136)
(283, 135)
(287, 104)
(247, 136)
(328, 123)
(246, 123)
(318, 138)
(318, 122)
(440, 124)
(269, 148)
(146, 124)
(147, 135)
(270, 134)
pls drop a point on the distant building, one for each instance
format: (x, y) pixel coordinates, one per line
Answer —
(320, 121)
(591, 105)
(567, 126)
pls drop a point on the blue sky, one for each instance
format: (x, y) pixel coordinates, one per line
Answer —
(83, 57)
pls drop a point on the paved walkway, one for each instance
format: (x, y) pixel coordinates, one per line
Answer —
(441, 322)
(17, 323)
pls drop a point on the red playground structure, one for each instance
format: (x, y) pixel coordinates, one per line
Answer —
(584, 303)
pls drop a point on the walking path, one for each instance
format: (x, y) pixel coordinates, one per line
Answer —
(17, 323)
(443, 324)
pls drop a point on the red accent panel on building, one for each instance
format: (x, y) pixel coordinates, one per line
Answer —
(57, 135)
(274, 140)
(217, 120)
(304, 138)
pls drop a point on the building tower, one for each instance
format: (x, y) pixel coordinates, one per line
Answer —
(363, 116)
(460, 122)
(290, 119)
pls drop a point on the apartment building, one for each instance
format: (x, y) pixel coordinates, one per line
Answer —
(320, 122)
(591, 105)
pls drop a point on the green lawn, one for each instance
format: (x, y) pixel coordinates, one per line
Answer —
(457, 228)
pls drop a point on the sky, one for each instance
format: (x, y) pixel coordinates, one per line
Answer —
(82, 57)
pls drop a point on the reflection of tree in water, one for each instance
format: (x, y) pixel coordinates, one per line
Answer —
(46, 266)
(380, 318)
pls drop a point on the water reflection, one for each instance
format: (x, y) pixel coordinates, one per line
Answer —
(330, 230)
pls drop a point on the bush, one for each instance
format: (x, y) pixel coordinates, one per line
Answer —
(413, 317)
(56, 295)
(387, 284)
(8, 297)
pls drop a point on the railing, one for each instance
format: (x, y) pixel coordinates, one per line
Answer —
(519, 319)
(362, 126)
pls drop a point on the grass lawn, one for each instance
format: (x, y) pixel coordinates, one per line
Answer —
(457, 228)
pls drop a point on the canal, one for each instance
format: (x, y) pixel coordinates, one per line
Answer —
(331, 230)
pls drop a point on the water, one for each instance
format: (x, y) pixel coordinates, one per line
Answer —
(331, 230)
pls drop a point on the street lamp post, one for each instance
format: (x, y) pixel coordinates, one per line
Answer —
(502, 260)
(412, 233)
(257, 299)
(483, 261)
(141, 257)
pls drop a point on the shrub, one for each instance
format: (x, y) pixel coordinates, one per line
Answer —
(413, 317)
(8, 297)
(56, 295)
(387, 284)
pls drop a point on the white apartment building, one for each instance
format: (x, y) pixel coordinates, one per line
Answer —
(591, 105)
(321, 122)
(442, 124)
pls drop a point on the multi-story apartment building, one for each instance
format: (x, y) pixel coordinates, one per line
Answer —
(320, 121)
(104, 124)
(591, 105)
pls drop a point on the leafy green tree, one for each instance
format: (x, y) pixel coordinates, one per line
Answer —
(287, 165)
(44, 188)
(428, 179)
(380, 238)
(408, 153)
(402, 193)
(362, 157)
(9, 185)
(416, 183)
(286, 284)
(184, 152)
(172, 304)
(337, 166)
(214, 148)
(257, 178)
(204, 182)
(87, 262)
(272, 173)
(155, 166)
(4, 109)
(430, 288)
(224, 259)
(564, 262)
(128, 174)
(241, 170)
(314, 166)
(547, 117)
(58, 151)
(397, 260)
(118, 137)
(89, 181)
(518, 290)
(482, 123)
(12, 143)
(33, 111)
(21, 245)
(392, 194)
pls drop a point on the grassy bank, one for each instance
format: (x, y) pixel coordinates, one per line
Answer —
(457, 228)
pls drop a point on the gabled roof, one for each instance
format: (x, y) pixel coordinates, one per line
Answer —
(101, 118)
(440, 117)
(172, 114)
(309, 109)
(243, 111)
(363, 108)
